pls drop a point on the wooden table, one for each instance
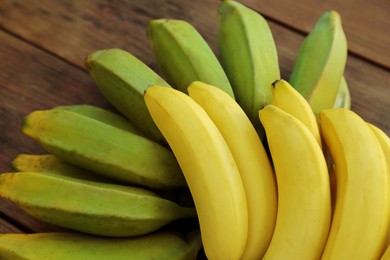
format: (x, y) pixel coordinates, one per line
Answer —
(43, 45)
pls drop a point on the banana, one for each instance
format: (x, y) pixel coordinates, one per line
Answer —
(51, 163)
(104, 116)
(291, 101)
(68, 246)
(361, 216)
(183, 56)
(252, 161)
(343, 97)
(384, 142)
(122, 79)
(249, 57)
(90, 207)
(209, 168)
(304, 201)
(320, 63)
(386, 254)
(104, 149)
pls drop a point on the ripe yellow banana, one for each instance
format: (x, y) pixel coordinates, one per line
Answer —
(122, 78)
(291, 101)
(183, 56)
(320, 64)
(67, 246)
(343, 97)
(384, 142)
(252, 161)
(104, 149)
(88, 206)
(304, 202)
(249, 57)
(361, 216)
(104, 116)
(386, 254)
(51, 163)
(209, 168)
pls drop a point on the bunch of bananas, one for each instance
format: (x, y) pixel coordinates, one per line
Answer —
(260, 167)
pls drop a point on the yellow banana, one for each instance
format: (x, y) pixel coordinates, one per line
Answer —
(104, 149)
(122, 79)
(321, 61)
(252, 161)
(343, 97)
(183, 56)
(361, 215)
(67, 246)
(304, 202)
(386, 254)
(248, 55)
(88, 206)
(291, 101)
(209, 168)
(384, 142)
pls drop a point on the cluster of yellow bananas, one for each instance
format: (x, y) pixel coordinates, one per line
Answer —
(267, 168)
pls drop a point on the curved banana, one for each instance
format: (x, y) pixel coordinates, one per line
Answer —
(66, 246)
(183, 56)
(122, 78)
(209, 168)
(321, 61)
(51, 163)
(103, 115)
(343, 97)
(248, 55)
(361, 215)
(304, 201)
(384, 142)
(98, 147)
(90, 207)
(291, 101)
(386, 254)
(252, 161)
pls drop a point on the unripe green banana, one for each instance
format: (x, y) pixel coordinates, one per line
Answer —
(122, 78)
(183, 56)
(68, 246)
(248, 56)
(343, 97)
(104, 149)
(103, 115)
(51, 163)
(90, 207)
(320, 64)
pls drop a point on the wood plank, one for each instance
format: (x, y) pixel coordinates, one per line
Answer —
(71, 30)
(365, 22)
(6, 227)
(30, 79)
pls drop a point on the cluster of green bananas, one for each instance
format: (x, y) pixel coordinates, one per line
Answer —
(267, 168)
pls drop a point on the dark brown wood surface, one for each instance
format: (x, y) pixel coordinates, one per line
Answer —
(43, 45)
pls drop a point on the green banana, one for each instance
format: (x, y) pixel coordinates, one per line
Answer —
(122, 78)
(104, 149)
(249, 57)
(104, 116)
(183, 56)
(321, 61)
(68, 246)
(51, 163)
(90, 207)
(343, 97)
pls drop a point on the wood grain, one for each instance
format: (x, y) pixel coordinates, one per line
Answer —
(365, 22)
(43, 45)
